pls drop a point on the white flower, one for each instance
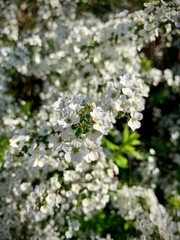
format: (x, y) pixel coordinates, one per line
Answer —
(87, 205)
(67, 133)
(36, 150)
(94, 136)
(111, 93)
(74, 151)
(69, 118)
(122, 104)
(137, 104)
(80, 167)
(39, 162)
(44, 209)
(134, 123)
(101, 120)
(76, 188)
(54, 142)
(76, 101)
(53, 199)
(25, 186)
(17, 141)
(128, 92)
(146, 228)
(88, 177)
(59, 104)
(93, 151)
(68, 234)
(69, 175)
(55, 184)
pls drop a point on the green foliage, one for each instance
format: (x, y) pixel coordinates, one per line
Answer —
(108, 221)
(121, 161)
(4, 143)
(145, 64)
(127, 148)
(173, 202)
(26, 107)
(25, 149)
(85, 123)
(110, 145)
(160, 96)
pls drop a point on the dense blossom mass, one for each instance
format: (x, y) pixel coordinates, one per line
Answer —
(73, 92)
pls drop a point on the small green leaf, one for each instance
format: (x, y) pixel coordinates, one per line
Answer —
(19, 154)
(4, 143)
(135, 142)
(134, 135)
(128, 149)
(119, 115)
(125, 134)
(128, 224)
(25, 148)
(26, 107)
(111, 146)
(131, 151)
(74, 126)
(137, 154)
(176, 202)
(121, 161)
(145, 64)
(111, 133)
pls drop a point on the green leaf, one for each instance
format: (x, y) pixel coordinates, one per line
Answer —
(176, 202)
(121, 161)
(19, 154)
(111, 146)
(128, 149)
(128, 224)
(135, 142)
(25, 148)
(125, 134)
(26, 107)
(145, 64)
(119, 115)
(134, 135)
(131, 151)
(111, 133)
(137, 154)
(4, 143)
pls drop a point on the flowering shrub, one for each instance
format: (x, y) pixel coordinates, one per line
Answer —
(90, 121)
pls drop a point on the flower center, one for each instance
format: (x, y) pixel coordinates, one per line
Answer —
(75, 150)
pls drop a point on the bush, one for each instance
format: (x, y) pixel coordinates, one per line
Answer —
(90, 119)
